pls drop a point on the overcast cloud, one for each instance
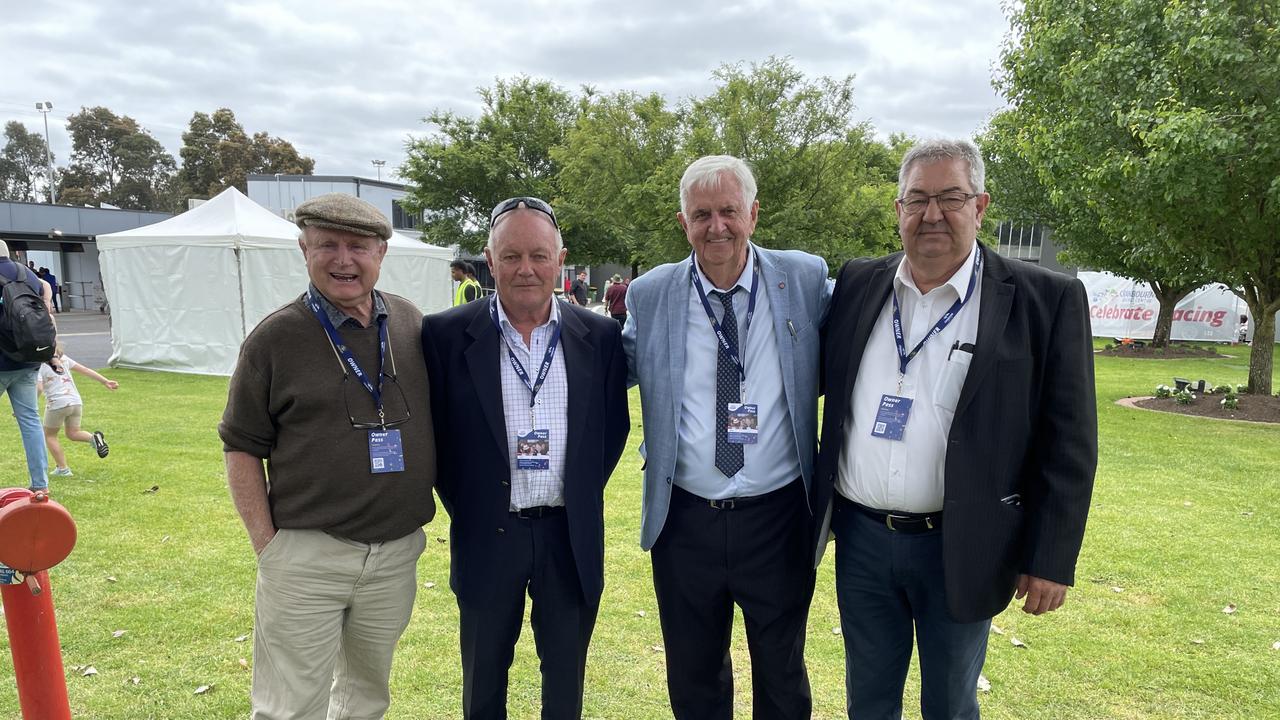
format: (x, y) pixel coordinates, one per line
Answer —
(349, 82)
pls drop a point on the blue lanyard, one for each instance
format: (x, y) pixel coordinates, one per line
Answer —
(945, 320)
(730, 349)
(543, 370)
(344, 352)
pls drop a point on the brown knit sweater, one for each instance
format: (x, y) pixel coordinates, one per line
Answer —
(286, 404)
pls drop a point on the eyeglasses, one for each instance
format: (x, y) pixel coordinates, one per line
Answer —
(393, 404)
(947, 202)
(532, 203)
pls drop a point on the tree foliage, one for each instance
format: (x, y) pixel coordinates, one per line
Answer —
(218, 154)
(114, 160)
(611, 163)
(24, 166)
(1162, 118)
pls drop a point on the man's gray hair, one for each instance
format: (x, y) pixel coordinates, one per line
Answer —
(4, 249)
(705, 172)
(525, 208)
(931, 151)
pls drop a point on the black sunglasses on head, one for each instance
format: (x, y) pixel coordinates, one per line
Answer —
(532, 203)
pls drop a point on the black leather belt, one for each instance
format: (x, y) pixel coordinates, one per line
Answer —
(737, 503)
(903, 522)
(540, 511)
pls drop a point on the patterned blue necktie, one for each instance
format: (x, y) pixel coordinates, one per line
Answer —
(728, 388)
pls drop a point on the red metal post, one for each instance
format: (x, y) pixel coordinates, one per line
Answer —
(37, 654)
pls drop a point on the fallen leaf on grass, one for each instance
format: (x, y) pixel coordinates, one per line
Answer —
(241, 638)
(244, 663)
(439, 539)
(135, 680)
(118, 633)
(152, 489)
(836, 630)
(984, 685)
(1230, 609)
(1016, 642)
(641, 613)
(997, 629)
(164, 539)
(91, 670)
(112, 578)
(1197, 641)
(1275, 645)
(203, 689)
(1117, 589)
(1246, 513)
(428, 585)
(656, 648)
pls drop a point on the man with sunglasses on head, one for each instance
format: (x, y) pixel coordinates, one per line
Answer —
(959, 441)
(530, 402)
(724, 345)
(330, 390)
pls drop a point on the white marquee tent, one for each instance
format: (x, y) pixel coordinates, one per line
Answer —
(184, 292)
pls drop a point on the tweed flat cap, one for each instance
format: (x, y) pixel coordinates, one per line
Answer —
(341, 211)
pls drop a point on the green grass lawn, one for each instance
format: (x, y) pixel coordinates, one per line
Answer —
(1185, 520)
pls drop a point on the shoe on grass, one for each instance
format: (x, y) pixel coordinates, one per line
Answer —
(62, 472)
(99, 443)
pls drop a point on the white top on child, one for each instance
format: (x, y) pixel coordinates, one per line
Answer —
(59, 389)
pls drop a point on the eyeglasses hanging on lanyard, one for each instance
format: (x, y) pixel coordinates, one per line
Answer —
(350, 366)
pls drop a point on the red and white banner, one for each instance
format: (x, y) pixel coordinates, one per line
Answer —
(1122, 308)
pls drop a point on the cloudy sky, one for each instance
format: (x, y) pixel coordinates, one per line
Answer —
(349, 82)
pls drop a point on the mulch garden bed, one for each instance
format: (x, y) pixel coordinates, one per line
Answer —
(1174, 351)
(1255, 408)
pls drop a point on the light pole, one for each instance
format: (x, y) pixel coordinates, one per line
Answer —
(378, 164)
(44, 108)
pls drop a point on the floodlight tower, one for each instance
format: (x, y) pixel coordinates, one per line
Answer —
(44, 108)
(378, 164)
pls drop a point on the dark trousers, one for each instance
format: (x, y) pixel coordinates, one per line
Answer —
(889, 586)
(561, 618)
(755, 555)
(620, 317)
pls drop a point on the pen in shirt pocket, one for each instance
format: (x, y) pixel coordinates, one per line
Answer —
(962, 347)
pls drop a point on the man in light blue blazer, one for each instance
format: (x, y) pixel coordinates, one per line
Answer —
(724, 345)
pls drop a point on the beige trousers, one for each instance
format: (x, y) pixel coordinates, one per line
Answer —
(328, 614)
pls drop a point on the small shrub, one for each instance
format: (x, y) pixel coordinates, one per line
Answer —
(1231, 402)
(1241, 388)
(1184, 397)
(1108, 346)
(1221, 389)
(1164, 391)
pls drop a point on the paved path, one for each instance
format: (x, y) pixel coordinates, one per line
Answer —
(85, 336)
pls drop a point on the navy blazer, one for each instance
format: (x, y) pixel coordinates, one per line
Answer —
(461, 347)
(1025, 424)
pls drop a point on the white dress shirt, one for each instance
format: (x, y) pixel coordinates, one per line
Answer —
(908, 474)
(773, 460)
(532, 488)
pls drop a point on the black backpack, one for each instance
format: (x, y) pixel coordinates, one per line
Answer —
(27, 333)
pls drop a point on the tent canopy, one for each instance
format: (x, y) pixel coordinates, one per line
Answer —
(185, 291)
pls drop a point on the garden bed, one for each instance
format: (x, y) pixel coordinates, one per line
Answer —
(1174, 351)
(1254, 408)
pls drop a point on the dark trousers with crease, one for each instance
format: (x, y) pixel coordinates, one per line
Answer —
(756, 556)
(561, 618)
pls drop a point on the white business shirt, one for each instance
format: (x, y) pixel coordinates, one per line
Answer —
(532, 488)
(908, 474)
(773, 460)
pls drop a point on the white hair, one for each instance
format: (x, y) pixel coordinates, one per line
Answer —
(931, 151)
(4, 249)
(707, 171)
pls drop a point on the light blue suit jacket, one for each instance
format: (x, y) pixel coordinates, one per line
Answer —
(654, 340)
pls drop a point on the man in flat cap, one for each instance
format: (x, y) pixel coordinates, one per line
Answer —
(331, 391)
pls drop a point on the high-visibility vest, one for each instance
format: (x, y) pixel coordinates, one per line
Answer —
(460, 297)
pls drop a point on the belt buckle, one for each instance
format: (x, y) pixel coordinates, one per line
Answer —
(725, 504)
(888, 521)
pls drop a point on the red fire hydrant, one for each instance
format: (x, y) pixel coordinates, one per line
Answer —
(36, 533)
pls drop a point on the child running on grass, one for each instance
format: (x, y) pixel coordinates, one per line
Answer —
(64, 407)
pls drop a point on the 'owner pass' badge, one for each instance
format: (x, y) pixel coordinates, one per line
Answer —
(891, 418)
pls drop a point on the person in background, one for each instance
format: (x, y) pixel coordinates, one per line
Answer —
(615, 299)
(468, 288)
(579, 291)
(65, 408)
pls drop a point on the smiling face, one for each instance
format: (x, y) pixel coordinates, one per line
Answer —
(718, 224)
(937, 242)
(344, 267)
(525, 262)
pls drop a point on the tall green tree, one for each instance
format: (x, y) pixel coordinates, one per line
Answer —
(823, 182)
(114, 160)
(217, 154)
(1162, 116)
(467, 165)
(1022, 195)
(24, 167)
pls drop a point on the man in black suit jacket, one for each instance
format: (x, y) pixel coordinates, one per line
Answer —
(530, 399)
(959, 442)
